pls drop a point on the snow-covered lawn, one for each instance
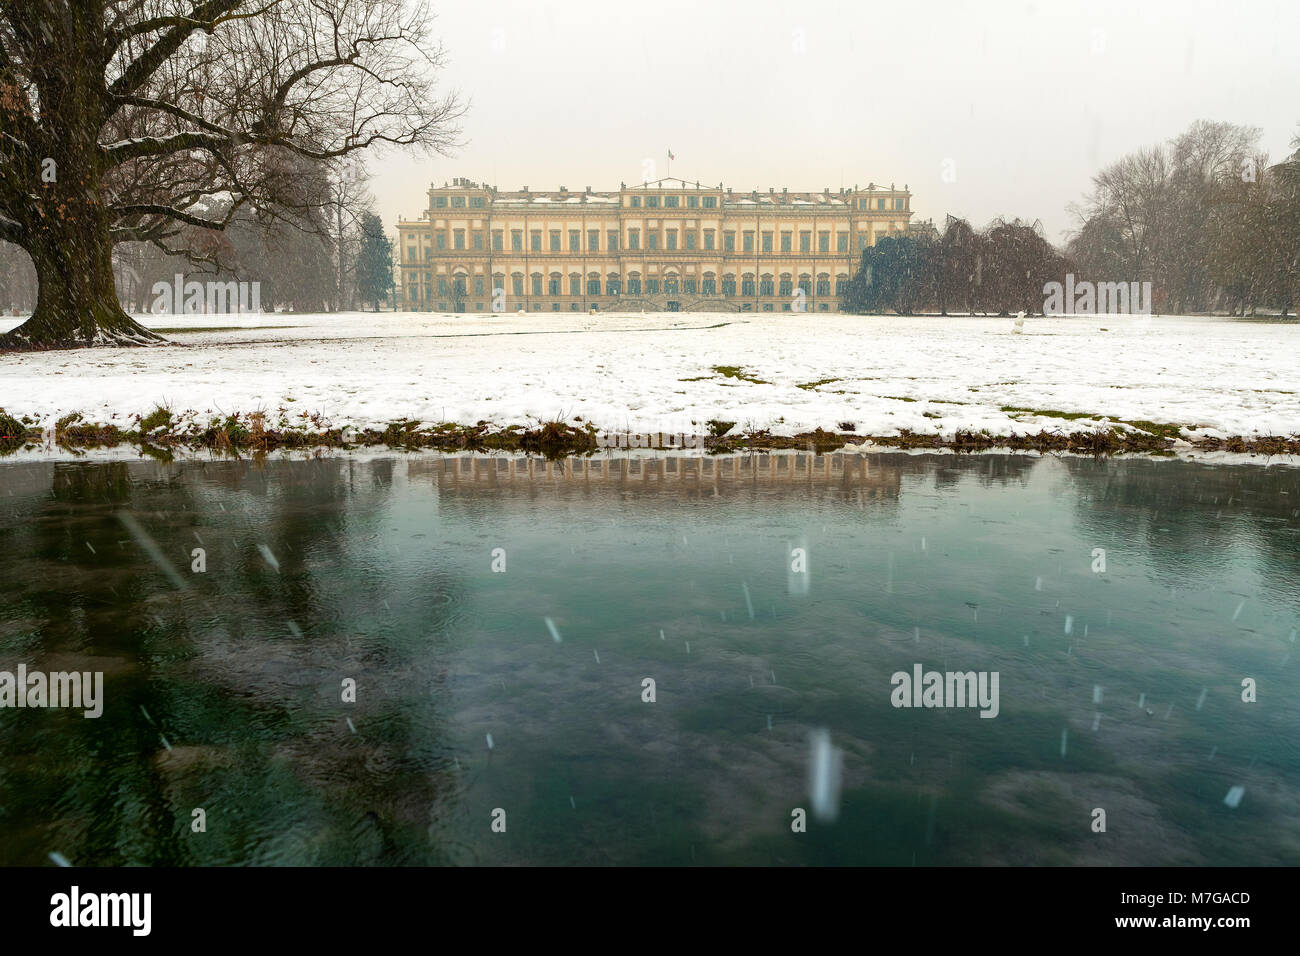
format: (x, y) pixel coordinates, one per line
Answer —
(656, 371)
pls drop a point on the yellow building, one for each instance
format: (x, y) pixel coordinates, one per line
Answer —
(664, 245)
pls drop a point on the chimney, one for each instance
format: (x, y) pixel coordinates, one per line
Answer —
(771, 190)
(588, 190)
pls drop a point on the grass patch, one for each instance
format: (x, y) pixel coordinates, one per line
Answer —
(738, 373)
(809, 386)
(1047, 412)
(13, 432)
(224, 328)
(898, 398)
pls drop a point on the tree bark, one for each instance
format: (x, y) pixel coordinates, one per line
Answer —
(76, 302)
(64, 222)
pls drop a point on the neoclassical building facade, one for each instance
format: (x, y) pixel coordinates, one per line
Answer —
(664, 245)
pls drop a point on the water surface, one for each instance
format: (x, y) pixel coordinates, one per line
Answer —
(1120, 689)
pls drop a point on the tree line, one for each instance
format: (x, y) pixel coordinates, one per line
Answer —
(1205, 218)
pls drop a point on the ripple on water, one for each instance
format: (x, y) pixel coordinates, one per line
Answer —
(771, 699)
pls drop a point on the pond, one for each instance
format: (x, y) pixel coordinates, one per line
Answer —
(672, 660)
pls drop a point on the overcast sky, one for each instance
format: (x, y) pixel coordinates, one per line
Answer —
(1024, 100)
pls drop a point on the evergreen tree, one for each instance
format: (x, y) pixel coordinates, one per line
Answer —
(374, 262)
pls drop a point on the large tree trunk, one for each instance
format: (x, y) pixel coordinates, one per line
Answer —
(66, 228)
(76, 303)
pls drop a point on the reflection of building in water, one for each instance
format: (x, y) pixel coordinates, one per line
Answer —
(868, 476)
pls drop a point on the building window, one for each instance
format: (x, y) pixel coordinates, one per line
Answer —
(516, 240)
(710, 202)
(575, 285)
(842, 242)
(785, 242)
(476, 202)
(478, 285)
(767, 242)
(670, 202)
(708, 239)
(442, 287)
(575, 240)
(862, 240)
(457, 202)
(841, 285)
(728, 285)
(693, 202)
(652, 202)
(823, 242)
(593, 287)
(749, 242)
(458, 239)
(690, 241)
(634, 286)
(459, 285)
(634, 238)
(670, 285)
(497, 241)
(536, 241)
(787, 287)
(440, 240)
(554, 285)
(823, 286)
(439, 202)
(672, 238)
(746, 285)
(805, 283)
(728, 242)
(635, 202)
(651, 286)
(765, 286)
(688, 286)
(612, 286)
(517, 284)
(611, 241)
(593, 240)
(880, 204)
(709, 286)
(555, 240)
(767, 306)
(411, 256)
(478, 241)
(537, 284)
(652, 240)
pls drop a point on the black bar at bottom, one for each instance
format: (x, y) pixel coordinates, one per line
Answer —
(926, 905)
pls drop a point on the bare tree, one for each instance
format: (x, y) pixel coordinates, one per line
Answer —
(130, 120)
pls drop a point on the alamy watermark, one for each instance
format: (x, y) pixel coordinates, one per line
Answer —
(57, 689)
(75, 908)
(179, 296)
(1096, 298)
(950, 689)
